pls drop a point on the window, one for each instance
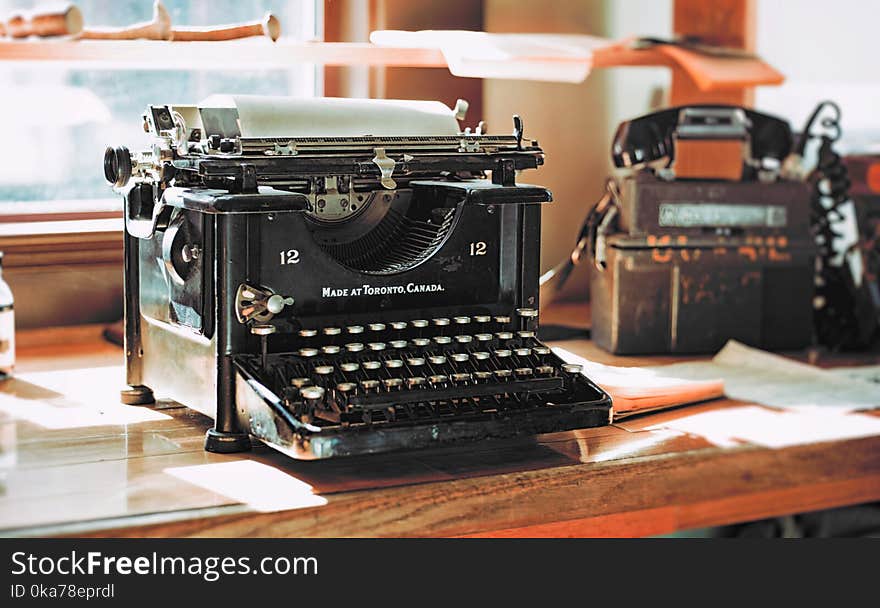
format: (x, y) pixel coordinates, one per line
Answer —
(822, 48)
(57, 119)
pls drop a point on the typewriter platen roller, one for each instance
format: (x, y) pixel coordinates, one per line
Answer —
(338, 277)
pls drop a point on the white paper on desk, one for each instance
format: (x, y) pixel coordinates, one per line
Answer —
(729, 427)
(545, 57)
(636, 390)
(867, 373)
(754, 375)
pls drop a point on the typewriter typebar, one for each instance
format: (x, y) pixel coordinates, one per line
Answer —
(338, 277)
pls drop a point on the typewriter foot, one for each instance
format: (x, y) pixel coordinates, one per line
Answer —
(226, 443)
(137, 395)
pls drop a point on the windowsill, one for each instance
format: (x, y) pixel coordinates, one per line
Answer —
(59, 210)
(84, 225)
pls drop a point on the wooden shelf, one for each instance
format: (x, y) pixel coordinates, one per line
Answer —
(231, 55)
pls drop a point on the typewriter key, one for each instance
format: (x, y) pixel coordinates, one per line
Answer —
(419, 323)
(461, 320)
(392, 383)
(415, 381)
(355, 329)
(481, 355)
(522, 352)
(324, 370)
(300, 382)
(421, 341)
(398, 343)
(524, 334)
(369, 385)
(482, 318)
(460, 377)
(415, 361)
(572, 368)
(393, 363)
(308, 352)
(438, 379)
(346, 387)
(398, 325)
(308, 333)
(377, 346)
(349, 366)
(504, 335)
(460, 357)
(354, 347)
(523, 372)
(371, 365)
(332, 331)
(502, 320)
(312, 395)
(528, 318)
(437, 359)
(482, 376)
(464, 339)
(483, 337)
(330, 349)
(377, 327)
(502, 353)
(541, 350)
(440, 321)
(442, 340)
(502, 374)
(545, 370)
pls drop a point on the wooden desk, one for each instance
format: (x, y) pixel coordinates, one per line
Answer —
(73, 461)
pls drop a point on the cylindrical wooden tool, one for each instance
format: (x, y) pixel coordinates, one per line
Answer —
(66, 21)
(268, 26)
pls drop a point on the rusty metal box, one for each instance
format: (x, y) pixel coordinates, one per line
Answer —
(687, 265)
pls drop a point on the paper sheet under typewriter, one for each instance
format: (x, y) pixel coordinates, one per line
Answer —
(337, 277)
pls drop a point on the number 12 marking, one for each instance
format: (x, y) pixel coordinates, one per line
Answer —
(478, 248)
(291, 256)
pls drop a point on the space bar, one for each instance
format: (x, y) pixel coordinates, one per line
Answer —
(383, 400)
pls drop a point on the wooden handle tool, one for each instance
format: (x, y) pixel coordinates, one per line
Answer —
(158, 28)
(65, 21)
(268, 26)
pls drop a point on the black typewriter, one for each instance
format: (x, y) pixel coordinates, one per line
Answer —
(337, 277)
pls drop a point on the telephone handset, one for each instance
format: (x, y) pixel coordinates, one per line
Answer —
(653, 136)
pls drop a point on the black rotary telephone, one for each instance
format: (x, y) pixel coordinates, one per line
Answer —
(652, 136)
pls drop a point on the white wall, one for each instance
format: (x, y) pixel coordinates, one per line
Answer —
(574, 122)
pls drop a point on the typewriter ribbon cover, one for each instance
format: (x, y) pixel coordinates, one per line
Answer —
(337, 277)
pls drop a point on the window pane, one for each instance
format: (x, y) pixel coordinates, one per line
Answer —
(61, 118)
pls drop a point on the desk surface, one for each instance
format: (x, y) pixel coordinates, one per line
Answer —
(73, 461)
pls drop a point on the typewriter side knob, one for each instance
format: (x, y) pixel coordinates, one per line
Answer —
(117, 166)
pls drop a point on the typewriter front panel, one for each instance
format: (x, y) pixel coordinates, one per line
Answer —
(462, 269)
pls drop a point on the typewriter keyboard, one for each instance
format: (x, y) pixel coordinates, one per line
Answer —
(422, 369)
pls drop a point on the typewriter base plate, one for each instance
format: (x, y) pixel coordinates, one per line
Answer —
(440, 434)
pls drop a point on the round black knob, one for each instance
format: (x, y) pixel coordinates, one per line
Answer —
(117, 166)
